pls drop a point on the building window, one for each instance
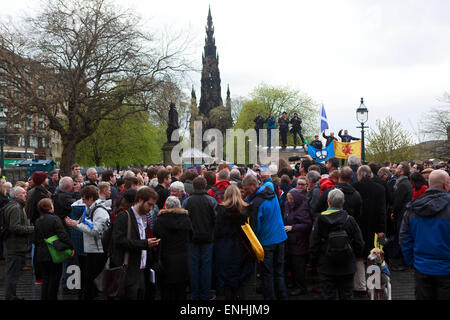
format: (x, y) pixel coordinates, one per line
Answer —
(29, 122)
(33, 142)
(41, 123)
(21, 142)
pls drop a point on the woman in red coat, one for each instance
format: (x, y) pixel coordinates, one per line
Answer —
(419, 184)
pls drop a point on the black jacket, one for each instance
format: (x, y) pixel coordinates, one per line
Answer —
(3, 200)
(259, 122)
(373, 213)
(48, 225)
(232, 251)
(317, 144)
(174, 228)
(346, 137)
(283, 124)
(121, 244)
(329, 139)
(37, 193)
(403, 193)
(296, 124)
(62, 202)
(323, 225)
(352, 204)
(201, 207)
(163, 194)
(52, 187)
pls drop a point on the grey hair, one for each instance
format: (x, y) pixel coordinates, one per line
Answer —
(354, 160)
(235, 174)
(365, 172)
(250, 179)
(172, 202)
(223, 174)
(129, 174)
(336, 198)
(177, 185)
(65, 182)
(313, 175)
(88, 172)
(14, 191)
(8, 184)
(384, 171)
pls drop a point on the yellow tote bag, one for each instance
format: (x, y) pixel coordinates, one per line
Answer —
(254, 242)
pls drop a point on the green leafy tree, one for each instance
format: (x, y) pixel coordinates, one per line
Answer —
(389, 141)
(132, 141)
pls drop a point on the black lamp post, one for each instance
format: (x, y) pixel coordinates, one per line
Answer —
(362, 115)
(3, 124)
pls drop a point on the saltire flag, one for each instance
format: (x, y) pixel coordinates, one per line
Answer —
(344, 149)
(323, 120)
(321, 155)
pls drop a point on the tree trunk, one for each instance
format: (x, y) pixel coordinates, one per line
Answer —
(68, 156)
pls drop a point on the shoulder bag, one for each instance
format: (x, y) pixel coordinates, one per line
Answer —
(113, 281)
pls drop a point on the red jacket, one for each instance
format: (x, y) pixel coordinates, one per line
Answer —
(221, 185)
(325, 184)
(419, 192)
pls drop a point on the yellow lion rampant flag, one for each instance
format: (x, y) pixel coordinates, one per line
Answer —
(343, 149)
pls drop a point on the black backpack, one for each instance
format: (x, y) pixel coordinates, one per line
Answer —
(338, 248)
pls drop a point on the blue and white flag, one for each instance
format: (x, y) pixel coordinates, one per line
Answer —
(323, 120)
(321, 155)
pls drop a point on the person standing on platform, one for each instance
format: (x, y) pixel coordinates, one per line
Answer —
(296, 122)
(283, 125)
(270, 122)
(259, 124)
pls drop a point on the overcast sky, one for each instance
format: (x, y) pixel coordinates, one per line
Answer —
(395, 54)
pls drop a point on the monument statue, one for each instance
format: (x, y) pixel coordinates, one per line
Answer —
(173, 121)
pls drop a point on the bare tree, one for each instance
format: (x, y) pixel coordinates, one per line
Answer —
(78, 61)
(436, 126)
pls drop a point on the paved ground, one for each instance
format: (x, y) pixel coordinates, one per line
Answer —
(402, 287)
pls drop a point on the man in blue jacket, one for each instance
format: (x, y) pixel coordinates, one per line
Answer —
(270, 122)
(267, 222)
(425, 239)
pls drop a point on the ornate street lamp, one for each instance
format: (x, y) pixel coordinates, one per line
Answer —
(362, 115)
(3, 125)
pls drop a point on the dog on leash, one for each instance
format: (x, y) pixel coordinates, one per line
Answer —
(376, 257)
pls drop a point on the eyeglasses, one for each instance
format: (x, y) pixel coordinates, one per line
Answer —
(301, 184)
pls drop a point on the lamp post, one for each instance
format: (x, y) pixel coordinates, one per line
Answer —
(362, 115)
(3, 124)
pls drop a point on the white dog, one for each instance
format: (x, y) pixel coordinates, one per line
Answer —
(381, 290)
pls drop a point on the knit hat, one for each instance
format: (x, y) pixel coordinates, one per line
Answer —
(39, 177)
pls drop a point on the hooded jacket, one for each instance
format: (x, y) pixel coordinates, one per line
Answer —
(325, 223)
(425, 233)
(269, 227)
(298, 217)
(326, 183)
(174, 228)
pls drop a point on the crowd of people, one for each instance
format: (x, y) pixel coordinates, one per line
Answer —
(180, 229)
